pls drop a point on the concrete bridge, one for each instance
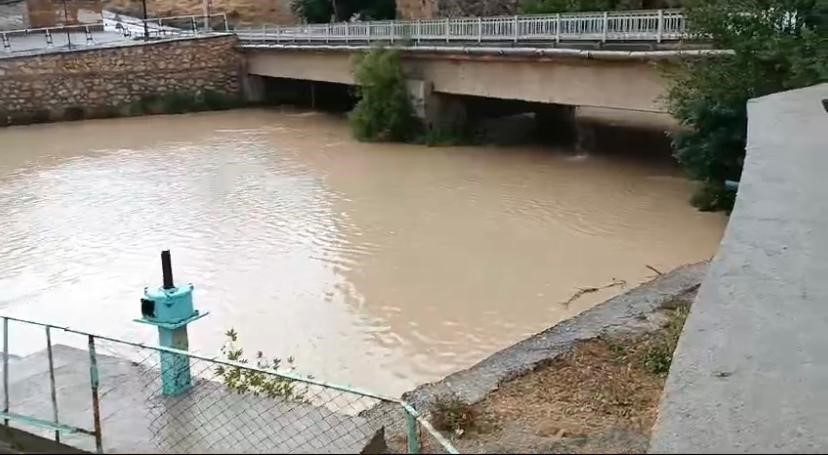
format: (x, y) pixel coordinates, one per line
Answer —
(552, 63)
(457, 67)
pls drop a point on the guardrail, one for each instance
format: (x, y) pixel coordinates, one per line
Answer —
(650, 25)
(113, 28)
(231, 406)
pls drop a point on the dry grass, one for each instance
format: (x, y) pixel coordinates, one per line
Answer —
(600, 397)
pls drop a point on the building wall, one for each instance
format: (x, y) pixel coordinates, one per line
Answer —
(49, 13)
(98, 81)
(239, 12)
(13, 15)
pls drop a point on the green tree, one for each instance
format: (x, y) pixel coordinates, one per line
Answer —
(384, 111)
(321, 11)
(562, 6)
(778, 45)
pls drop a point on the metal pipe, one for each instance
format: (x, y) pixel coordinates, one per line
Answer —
(52, 381)
(166, 269)
(6, 368)
(516, 51)
(94, 383)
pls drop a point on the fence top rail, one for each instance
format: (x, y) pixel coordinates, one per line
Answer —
(108, 20)
(213, 359)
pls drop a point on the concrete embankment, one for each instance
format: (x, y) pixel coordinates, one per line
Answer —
(637, 311)
(750, 370)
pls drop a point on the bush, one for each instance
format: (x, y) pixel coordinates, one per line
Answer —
(450, 413)
(384, 111)
(778, 45)
(259, 384)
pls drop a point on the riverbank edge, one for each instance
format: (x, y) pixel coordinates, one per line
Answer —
(637, 311)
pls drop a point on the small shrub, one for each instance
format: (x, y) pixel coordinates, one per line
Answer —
(659, 356)
(259, 384)
(450, 413)
(384, 111)
(436, 137)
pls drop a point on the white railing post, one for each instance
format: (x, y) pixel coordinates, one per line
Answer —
(368, 26)
(479, 29)
(393, 31)
(418, 31)
(660, 25)
(515, 30)
(558, 28)
(347, 32)
(606, 27)
(328, 33)
(448, 30)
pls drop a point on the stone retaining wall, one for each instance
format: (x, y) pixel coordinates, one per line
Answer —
(98, 82)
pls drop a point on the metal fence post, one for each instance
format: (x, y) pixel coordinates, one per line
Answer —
(393, 31)
(226, 24)
(418, 31)
(660, 25)
(347, 32)
(94, 382)
(479, 29)
(606, 27)
(6, 368)
(558, 28)
(52, 381)
(448, 30)
(516, 29)
(412, 432)
(6, 43)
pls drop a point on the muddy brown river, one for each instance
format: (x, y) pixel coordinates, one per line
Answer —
(378, 265)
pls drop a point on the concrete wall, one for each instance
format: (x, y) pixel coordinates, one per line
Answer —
(13, 15)
(627, 84)
(96, 81)
(750, 371)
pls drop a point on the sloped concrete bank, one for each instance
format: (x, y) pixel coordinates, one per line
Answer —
(640, 310)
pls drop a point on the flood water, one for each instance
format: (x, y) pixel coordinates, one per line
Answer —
(379, 265)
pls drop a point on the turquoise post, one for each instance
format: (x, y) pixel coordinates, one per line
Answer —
(170, 309)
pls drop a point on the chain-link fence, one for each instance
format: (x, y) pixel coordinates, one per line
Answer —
(117, 396)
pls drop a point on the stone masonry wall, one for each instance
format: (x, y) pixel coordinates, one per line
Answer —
(13, 15)
(97, 82)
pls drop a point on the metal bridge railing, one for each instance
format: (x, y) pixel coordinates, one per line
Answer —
(649, 25)
(107, 394)
(113, 28)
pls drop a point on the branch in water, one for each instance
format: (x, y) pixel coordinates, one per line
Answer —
(653, 269)
(582, 291)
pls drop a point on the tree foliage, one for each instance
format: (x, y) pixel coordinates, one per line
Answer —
(384, 111)
(562, 6)
(321, 11)
(778, 45)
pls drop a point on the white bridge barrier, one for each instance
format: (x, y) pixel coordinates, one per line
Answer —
(611, 26)
(650, 25)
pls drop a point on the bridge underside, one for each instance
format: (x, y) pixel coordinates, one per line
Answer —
(630, 84)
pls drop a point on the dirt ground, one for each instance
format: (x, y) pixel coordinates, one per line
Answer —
(601, 397)
(239, 12)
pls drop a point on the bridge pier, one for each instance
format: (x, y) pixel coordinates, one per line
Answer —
(556, 123)
(437, 111)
